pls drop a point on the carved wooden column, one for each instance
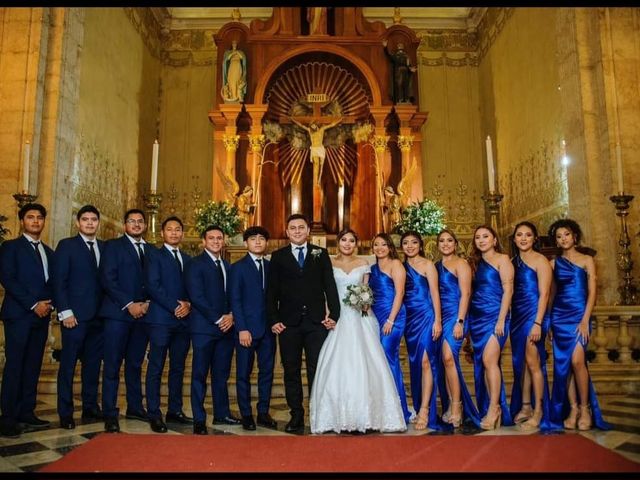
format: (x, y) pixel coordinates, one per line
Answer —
(380, 141)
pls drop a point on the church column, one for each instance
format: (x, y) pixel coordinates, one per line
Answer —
(257, 142)
(380, 140)
(226, 142)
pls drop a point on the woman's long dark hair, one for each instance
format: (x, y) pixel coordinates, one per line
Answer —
(476, 255)
(512, 239)
(417, 236)
(393, 253)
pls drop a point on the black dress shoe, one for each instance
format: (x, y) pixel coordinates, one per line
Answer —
(295, 425)
(248, 423)
(157, 425)
(92, 414)
(178, 418)
(200, 428)
(230, 420)
(111, 425)
(265, 420)
(137, 415)
(34, 422)
(10, 431)
(67, 423)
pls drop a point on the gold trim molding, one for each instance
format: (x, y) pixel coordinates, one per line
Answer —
(147, 26)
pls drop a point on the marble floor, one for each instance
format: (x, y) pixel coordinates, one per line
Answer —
(34, 449)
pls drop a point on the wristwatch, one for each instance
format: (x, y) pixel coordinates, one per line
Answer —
(461, 321)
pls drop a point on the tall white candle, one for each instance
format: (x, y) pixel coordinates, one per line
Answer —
(25, 167)
(490, 169)
(619, 169)
(154, 167)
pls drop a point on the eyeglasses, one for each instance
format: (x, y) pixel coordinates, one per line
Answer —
(131, 221)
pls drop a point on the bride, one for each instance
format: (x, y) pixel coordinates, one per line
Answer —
(353, 389)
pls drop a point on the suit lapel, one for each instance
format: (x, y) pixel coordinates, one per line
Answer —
(83, 247)
(26, 244)
(130, 248)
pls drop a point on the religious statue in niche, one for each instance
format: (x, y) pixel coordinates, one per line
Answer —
(234, 74)
(401, 74)
(317, 18)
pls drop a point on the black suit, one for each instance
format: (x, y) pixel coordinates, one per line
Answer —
(298, 297)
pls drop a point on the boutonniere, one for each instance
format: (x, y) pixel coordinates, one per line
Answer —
(316, 252)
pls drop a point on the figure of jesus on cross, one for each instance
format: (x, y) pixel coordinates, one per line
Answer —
(317, 150)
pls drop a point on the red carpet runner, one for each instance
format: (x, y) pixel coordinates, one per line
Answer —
(455, 453)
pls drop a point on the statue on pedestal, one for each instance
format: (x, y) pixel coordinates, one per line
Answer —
(401, 74)
(234, 74)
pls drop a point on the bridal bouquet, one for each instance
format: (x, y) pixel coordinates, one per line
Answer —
(359, 296)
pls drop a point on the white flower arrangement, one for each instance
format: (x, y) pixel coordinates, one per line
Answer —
(425, 217)
(360, 297)
(222, 214)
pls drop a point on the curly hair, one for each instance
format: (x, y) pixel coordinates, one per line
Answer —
(393, 253)
(536, 238)
(570, 225)
(417, 236)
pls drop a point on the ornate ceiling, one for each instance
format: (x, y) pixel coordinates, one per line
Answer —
(418, 18)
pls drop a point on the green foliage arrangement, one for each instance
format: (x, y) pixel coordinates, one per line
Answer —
(218, 213)
(425, 217)
(3, 230)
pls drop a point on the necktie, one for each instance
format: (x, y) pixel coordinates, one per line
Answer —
(35, 247)
(175, 256)
(140, 253)
(300, 256)
(219, 267)
(93, 252)
(260, 271)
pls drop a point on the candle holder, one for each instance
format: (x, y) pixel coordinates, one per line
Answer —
(492, 201)
(628, 290)
(152, 201)
(23, 198)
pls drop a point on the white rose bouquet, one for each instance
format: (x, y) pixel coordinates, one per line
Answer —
(360, 297)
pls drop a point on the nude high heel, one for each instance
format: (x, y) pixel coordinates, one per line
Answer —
(584, 423)
(455, 418)
(446, 415)
(421, 419)
(493, 418)
(534, 421)
(571, 421)
(524, 414)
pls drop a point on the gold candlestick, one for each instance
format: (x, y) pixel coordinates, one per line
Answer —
(152, 202)
(492, 201)
(628, 289)
(23, 198)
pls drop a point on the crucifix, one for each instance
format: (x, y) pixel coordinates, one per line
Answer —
(315, 125)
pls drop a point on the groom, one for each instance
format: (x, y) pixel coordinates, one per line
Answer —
(301, 286)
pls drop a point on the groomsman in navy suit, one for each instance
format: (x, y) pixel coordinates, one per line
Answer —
(211, 328)
(124, 306)
(25, 264)
(77, 293)
(167, 324)
(254, 336)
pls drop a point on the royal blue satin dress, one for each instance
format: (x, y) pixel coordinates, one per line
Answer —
(524, 307)
(569, 303)
(383, 294)
(419, 340)
(450, 302)
(483, 317)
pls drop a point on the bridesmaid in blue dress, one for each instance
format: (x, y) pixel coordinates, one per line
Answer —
(454, 278)
(387, 282)
(422, 331)
(529, 325)
(489, 324)
(575, 281)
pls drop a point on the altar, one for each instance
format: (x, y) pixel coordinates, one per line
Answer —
(315, 124)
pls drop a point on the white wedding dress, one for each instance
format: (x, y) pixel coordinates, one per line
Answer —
(353, 389)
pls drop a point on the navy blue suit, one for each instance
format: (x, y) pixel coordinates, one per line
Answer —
(165, 286)
(248, 304)
(25, 334)
(212, 348)
(76, 287)
(125, 338)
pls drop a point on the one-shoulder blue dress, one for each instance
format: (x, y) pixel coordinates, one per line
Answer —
(524, 307)
(483, 317)
(450, 302)
(569, 303)
(419, 340)
(383, 294)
